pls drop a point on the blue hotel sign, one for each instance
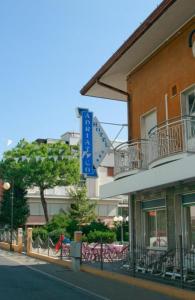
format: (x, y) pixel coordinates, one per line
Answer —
(87, 168)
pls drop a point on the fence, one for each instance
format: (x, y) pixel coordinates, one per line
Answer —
(5, 236)
(49, 247)
(174, 266)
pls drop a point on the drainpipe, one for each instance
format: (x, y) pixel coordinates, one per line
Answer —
(132, 242)
(105, 85)
(166, 109)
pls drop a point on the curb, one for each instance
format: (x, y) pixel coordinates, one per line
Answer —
(141, 283)
(52, 260)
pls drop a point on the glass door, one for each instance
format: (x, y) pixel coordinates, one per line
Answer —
(156, 228)
(189, 232)
(190, 120)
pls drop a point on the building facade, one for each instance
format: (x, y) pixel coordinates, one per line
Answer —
(154, 73)
(58, 197)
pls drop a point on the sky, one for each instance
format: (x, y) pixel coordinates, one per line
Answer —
(48, 50)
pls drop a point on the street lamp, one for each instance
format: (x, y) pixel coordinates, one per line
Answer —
(7, 186)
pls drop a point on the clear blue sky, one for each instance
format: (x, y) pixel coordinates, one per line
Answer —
(48, 50)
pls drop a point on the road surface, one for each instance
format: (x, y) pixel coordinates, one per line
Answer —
(25, 278)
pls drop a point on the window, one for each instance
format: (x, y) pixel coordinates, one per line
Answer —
(192, 219)
(106, 210)
(191, 102)
(188, 102)
(190, 226)
(188, 202)
(188, 109)
(36, 209)
(110, 171)
(148, 122)
(156, 232)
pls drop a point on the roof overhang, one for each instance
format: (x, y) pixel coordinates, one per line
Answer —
(159, 27)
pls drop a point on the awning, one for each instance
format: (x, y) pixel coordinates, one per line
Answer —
(165, 175)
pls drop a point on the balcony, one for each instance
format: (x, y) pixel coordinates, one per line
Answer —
(167, 142)
(171, 140)
(130, 157)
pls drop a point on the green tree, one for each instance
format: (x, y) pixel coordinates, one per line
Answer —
(58, 221)
(20, 207)
(43, 165)
(82, 209)
(10, 172)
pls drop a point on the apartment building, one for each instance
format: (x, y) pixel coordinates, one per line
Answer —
(154, 73)
(58, 197)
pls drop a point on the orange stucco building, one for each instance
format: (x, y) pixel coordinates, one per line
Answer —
(154, 73)
(170, 70)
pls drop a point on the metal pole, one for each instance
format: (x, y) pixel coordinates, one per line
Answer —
(12, 215)
(122, 232)
(48, 245)
(181, 259)
(101, 254)
(131, 202)
(38, 243)
(61, 247)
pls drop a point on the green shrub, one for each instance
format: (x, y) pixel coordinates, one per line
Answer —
(84, 238)
(125, 231)
(40, 232)
(58, 221)
(126, 236)
(71, 227)
(104, 236)
(95, 225)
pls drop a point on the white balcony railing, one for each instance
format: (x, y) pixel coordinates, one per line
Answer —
(165, 141)
(174, 137)
(130, 156)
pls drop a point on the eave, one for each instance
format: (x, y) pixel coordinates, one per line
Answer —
(159, 27)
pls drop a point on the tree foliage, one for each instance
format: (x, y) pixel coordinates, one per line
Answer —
(94, 226)
(11, 172)
(82, 209)
(42, 165)
(20, 207)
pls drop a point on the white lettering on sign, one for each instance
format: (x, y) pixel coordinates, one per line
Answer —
(101, 143)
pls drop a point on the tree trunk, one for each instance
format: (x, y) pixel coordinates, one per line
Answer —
(44, 205)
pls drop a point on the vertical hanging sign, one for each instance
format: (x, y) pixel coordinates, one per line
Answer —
(87, 168)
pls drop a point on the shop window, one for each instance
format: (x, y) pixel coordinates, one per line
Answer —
(190, 226)
(156, 232)
(192, 215)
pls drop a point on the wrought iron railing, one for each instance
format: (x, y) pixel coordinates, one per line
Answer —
(130, 156)
(176, 266)
(5, 236)
(49, 247)
(172, 137)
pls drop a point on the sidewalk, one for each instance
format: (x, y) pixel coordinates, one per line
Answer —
(105, 288)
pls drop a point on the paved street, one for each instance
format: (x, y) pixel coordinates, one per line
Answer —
(22, 278)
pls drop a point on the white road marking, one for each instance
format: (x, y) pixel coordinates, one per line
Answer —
(58, 279)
